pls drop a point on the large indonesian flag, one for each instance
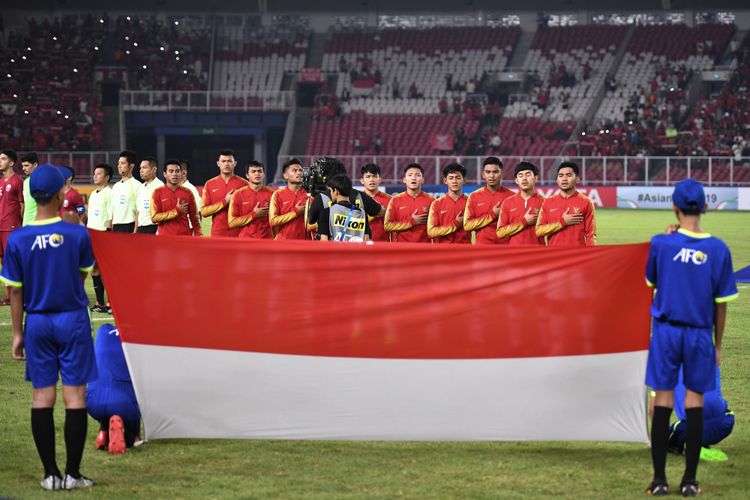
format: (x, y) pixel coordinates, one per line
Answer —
(234, 338)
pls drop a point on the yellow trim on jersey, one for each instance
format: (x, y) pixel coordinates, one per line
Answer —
(694, 235)
(649, 283)
(44, 222)
(86, 269)
(728, 298)
(14, 284)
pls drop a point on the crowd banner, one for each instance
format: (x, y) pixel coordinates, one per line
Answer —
(229, 338)
(717, 198)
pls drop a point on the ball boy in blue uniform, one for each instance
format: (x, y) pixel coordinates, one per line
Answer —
(45, 264)
(693, 276)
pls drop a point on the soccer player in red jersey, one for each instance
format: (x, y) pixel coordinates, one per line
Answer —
(406, 216)
(11, 203)
(217, 193)
(483, 205)
(567, 218)
(248, 208)
(73, 209)
(445, 223)
(173, 206)
(519, 213)
(286, 214)
(371, 181)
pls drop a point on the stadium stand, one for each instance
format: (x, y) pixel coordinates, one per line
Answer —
(646, 99)
(568, 65)
(163, 56)
(250, 60)
(47, 94)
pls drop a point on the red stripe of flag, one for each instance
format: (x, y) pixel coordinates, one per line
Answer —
(380, 301)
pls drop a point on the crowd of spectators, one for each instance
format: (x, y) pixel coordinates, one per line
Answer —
(47, 97)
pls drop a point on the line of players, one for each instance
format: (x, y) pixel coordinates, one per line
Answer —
(495, 214)
(248, 208)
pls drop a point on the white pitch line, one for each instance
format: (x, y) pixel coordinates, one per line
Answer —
(92, 319)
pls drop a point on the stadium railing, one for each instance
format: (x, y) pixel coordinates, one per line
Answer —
(595, 171)
(82, 162)
(177, 100)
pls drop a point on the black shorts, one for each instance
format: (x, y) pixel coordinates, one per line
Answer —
(123, 228)
(150, 229)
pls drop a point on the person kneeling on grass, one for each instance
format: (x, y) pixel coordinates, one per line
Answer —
(718, 422)
(46, 263)
(111, 398)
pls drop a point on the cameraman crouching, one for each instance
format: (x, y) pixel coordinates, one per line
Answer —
(342, 221)
(329, 168)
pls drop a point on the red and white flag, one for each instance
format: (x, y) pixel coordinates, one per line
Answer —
(229, 338)
(441, 142)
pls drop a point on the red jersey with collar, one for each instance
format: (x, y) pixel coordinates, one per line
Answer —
(287, 224)
(73, 203)
(214, 204)
(552, 225)
(442, 225)
(376, 223)
(11, 197)
(398, 217)
(512, 223)
(242, 212)
(170, 219)
(480, 217)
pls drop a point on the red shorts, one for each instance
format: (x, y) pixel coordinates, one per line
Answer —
(3, 241)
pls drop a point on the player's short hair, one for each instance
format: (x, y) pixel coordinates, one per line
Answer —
(492, 160)
(185, 165)
(172, 161)
(568, 164)
(256, 164)
(414, 165)
(10, 154)
(340, 183)
(72, 172)
(128, 155)
(226, 152)
(153, 162)
(289, 163)
(30, 158)
(453, 168)
(106, 167)
(526, 165)
(370, 168)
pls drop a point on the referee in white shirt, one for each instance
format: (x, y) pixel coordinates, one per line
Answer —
(124, 195)
(148, 169)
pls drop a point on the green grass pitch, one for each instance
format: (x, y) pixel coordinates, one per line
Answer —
(226, 469)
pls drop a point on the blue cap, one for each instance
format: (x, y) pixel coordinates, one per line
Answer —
(45, 182)
(66, 172)
(688, 195)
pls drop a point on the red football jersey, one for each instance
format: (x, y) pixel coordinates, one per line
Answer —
(214, 204)
(512, 223)
(398, 217)
(242, 212)
(376, 223)
(165, 213)
(442, 225)
(480, 217)
(552, 225)
(287, 224)
(11, 197)
(73, 203)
